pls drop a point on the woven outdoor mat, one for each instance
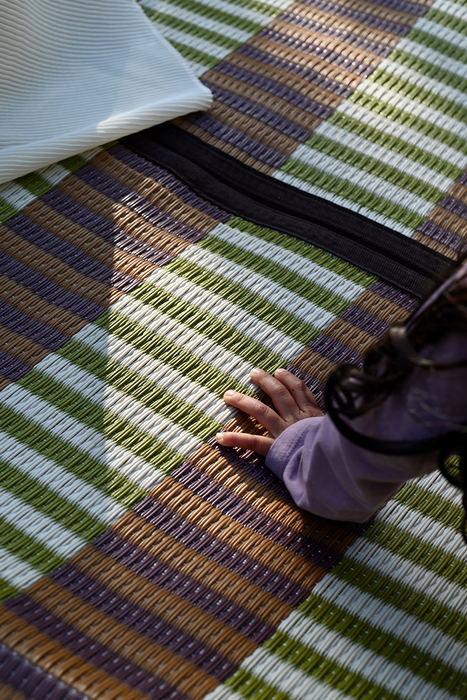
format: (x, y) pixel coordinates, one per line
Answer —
(130, 303)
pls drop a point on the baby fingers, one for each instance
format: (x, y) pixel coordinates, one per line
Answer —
(263, 414)
(256, 443)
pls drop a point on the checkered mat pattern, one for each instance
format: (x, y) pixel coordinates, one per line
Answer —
(138, 559)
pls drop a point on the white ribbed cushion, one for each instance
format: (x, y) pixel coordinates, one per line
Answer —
(76, 74)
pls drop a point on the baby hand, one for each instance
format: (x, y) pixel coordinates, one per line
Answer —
(292, 399)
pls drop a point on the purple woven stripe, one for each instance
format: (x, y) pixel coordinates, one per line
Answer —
(119, 193)
(338, 59)
(443, 235)
(277, 89)
(234, 506)
(387, 291)
(71, 254)
(455, 205)
(168, 181)
(334, 350)
(47, 289)
(201, 542)
(403, 6)
(92, 651)
(364, 17)
(191, 590)
(262, 114)
(290, 67)
(39, 332)
(349, 37)
(365, 320)
(104, 228)
(12, 368)
(27, 678)
(144, 622)
(240, 140)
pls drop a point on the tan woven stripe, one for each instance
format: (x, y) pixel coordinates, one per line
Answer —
(436, 245)
(7, 692)
(91, 243)
(196, 510)
(290, 80)
(349, 335)
(201, 568)
(380, 307)
(55, 269)
(258, 496)
(121, 639)
(308, 61)
(38, 308)
(458, 191)
(154, 192)
(123, 216)
(224, 146)
(263, 133)
(383, 12)
(170, 607)
(345, 24)
(325, 42)
(51, 657)
(266, 99)
(449, 220)
(22, 348)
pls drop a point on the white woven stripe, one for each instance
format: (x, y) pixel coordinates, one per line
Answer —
(223, 692)
(38, 526)
(63, 482)
(433, 86)
(291, 262)
(451, 8)
(288, 679)
(225, 311)
(348, 203)
(155, 371)
(432, 56)
(199, 345)
(122, 405)
(400, 131)
(193, 41)
(443, 32)
(213, 25)
(16, 571)
(397, 623)
(88, 440)
(258, 284)
(409, 574)
(424, 528)
(357, 659)
(407, 166)
(417, 109)
(436, 483)
(221, 6)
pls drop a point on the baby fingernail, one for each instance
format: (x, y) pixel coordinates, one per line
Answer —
(220, 438)
(254, 372)
(229, 393)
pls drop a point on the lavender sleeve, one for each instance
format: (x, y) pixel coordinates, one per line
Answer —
(330, 476)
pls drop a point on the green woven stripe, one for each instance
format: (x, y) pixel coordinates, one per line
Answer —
(434, 42)
(193, 29)
(429, 69)
(218, 15)
(250, 302)
(382, 138)
(388, 646)
(76, 461)
(415, 92)
(309, 252)
(27, 548)
(321, 296)
(206, 323)
(248, 686)
(410, 120)
(148, 393)
(447, 20)
(431, 504)
(401, 543)
(7, 590)
(353, 193)
(193, 55)
(374, 166)
(108, 423)
(173, 355)
(47, 501)
(392, 592)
